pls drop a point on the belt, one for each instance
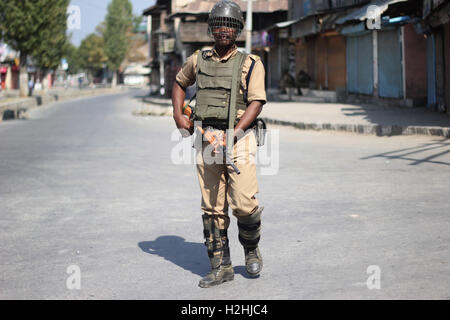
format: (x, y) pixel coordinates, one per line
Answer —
(223, 126)
(215, 125)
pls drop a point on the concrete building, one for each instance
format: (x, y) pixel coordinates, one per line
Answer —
(436, 28)
(374, 50)
(9, 68)
(178, 28)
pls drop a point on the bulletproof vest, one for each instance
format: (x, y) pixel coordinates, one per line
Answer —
(214, 83)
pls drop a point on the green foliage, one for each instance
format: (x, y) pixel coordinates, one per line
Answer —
(91, 53)
(73, 59)
(49, 54)
(137, 20)
(119, 21)
(19, 24)
(36, 28)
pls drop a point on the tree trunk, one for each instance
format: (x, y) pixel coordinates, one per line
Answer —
(23, 76)
(44, 82)
(114, 80)
(8, 80)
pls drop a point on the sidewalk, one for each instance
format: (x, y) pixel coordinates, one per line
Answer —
(12, 107)
(355, 118)
(363, 119)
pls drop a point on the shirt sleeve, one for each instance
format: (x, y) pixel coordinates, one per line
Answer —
(186, 76)
(256, 88)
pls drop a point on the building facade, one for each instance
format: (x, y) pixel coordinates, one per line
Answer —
(177, 28)
(374, 49)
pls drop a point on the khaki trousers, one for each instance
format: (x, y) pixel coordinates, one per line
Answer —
(221, 186)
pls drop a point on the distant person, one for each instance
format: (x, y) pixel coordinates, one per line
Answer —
(30, 87)
(287, 82)
(38, 86)
(80, 82)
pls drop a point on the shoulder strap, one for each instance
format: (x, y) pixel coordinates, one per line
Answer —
(249, 73)
(235, 79)
(199, 60)
(247, 80)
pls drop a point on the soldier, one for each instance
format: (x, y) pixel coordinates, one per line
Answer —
(223, 104)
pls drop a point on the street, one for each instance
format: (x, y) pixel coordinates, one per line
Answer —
(86, 183)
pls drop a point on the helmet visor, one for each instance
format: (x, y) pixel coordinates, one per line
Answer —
(224, 28)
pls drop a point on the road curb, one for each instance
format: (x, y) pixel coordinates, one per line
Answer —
(162, 109)
(15, 109)
(368, 129)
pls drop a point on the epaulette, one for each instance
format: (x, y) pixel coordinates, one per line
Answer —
(206, 54)
(254, 57)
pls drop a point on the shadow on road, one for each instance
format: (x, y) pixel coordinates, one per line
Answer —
(396, 115)
(439, 148)
(190, 256)
(243, 272)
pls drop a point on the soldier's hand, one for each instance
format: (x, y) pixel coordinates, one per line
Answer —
(184, 125)
(215, 138)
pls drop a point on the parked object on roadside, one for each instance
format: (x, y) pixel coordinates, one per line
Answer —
(287, 82)
(302, 81)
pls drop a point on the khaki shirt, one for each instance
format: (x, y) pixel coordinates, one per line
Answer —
(256, 88)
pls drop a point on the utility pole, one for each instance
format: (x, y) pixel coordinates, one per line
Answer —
(149, 35)
(249, 22)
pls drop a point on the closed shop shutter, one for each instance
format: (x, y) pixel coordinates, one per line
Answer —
(336, 62)
(359, 64)
(447, 64)
(390, 64)
(431, 71)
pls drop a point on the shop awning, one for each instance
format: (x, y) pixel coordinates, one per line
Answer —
(368, 11)
(282, 25)
(316, 23)
(305, 26)
(202, 7)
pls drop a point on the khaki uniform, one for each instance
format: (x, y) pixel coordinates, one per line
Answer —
(220, 186)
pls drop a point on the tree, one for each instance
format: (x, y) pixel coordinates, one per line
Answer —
(119, 21)
(73, 59)
(137, 20)
(136, 41)
(54, 42)
(91, 53)
(34, 28)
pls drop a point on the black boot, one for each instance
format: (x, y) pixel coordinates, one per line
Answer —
(217, 276)
(253, 261)
(226, 258)
(249, 235)
(219, 255)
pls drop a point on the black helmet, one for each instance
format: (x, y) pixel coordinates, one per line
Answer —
(226, 13)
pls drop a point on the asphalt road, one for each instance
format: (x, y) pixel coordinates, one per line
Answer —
(91, 195)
